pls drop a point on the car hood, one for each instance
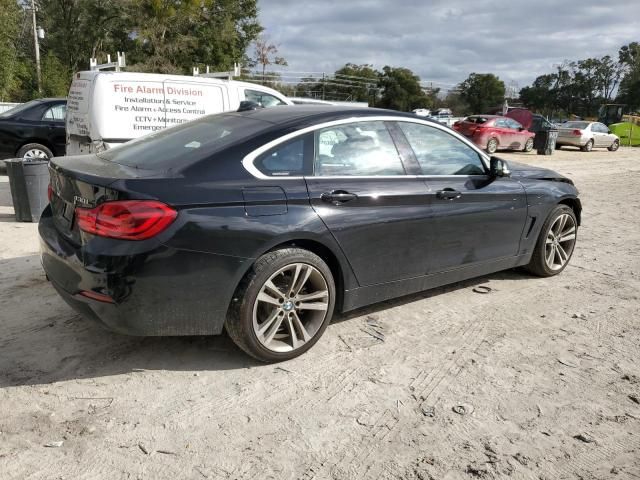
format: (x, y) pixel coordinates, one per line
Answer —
(521, 170)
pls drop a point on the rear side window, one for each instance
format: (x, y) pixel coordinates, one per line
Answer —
(55, 113)
(356, 149)
(262, 98)
(185, 144)
(440, 153)
(284, 160)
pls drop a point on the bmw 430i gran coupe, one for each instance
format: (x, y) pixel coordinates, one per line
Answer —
(266, 222)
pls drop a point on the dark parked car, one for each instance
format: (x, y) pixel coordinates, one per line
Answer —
(265, 222)
(34, 129)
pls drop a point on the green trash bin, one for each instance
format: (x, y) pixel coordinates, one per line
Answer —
(28, 181)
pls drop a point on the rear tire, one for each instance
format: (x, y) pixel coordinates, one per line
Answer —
(492, 145)
(555, 244)
(588, 147)
(614, 146)
(34, 151)
(270, 318)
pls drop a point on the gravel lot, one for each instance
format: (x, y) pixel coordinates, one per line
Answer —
(547, 371)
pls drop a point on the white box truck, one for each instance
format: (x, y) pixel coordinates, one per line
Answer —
(105, 109)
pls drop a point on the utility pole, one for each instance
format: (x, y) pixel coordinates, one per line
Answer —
(322, 85)
(36, 46)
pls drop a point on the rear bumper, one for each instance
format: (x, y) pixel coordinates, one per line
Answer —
(572, 141)
(164, 291)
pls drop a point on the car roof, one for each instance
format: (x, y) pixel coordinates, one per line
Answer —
(304, 114)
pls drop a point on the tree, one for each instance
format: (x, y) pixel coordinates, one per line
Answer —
(173, 36)
(11, 20)
(401, 90)
(482, 91)
(540, 96)
(266, 54)
(629, 92)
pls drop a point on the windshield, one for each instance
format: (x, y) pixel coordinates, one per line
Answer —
(19, 108)
(580, 125)
(184, 144)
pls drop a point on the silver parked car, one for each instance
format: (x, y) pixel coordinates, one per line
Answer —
(586, 135)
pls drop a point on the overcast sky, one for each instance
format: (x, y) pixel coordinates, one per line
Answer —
(445, 40)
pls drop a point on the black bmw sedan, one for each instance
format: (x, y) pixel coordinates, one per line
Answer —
(34, 130)
(266, 222)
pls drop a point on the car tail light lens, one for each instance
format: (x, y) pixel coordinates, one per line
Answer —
(126, 219)
(100, 297)
(577, 133)
(49, 192)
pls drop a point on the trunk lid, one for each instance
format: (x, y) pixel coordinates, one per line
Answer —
(84, 181)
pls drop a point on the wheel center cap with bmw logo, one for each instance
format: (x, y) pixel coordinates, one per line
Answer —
(287, 306)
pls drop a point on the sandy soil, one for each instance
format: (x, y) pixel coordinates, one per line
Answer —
(547, 370)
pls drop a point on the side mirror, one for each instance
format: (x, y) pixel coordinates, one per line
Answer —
(247, 105)
(522, 129)
(498, 168)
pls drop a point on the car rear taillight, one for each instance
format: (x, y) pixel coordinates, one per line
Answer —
(577, 133)
(126, 219)
(49, 192)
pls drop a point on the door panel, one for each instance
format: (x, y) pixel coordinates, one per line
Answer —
(476, 218)
(385, 231)
(378, 215)
(483, 222)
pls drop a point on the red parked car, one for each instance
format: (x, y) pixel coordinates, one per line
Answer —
(493, 132)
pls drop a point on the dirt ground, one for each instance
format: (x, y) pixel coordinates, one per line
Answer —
(547, 372)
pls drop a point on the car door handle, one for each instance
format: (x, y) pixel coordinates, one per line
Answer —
(337, 197)
(448, 194)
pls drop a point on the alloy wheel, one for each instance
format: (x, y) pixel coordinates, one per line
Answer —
(528, 146)
(290, 307)
(560, 242)
(35, 154)
(492, 145)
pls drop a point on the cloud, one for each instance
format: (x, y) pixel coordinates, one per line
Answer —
(445, 40)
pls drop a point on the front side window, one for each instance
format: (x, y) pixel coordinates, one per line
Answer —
(440, 153)
(56, 113)
(501, 123)
(356, 149)
(284, 160)
(262, 98)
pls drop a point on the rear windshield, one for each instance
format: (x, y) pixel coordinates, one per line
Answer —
(19, 108)
(184, 144)
(580, 125)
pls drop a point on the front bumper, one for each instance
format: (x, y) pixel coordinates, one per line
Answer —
(164, 291)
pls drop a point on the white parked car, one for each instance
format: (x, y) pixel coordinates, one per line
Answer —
(422, 112)
(586, 136)
(105, 109)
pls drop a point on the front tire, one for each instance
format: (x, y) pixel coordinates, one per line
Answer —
(555, 244)
(34, 151)
(588, 147)
(283, 306)
(614, 146)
